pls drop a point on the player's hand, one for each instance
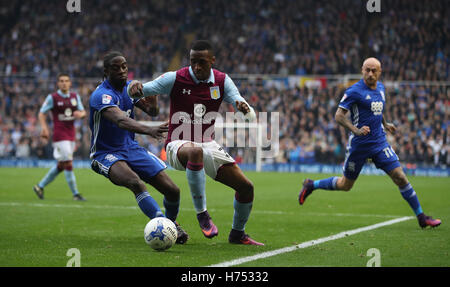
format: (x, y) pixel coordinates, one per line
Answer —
(150, 105)
(363, 131)
(135, 89)
(242, 107)
(390, 128)
(159, 131)
(79, 114)
(45, 134)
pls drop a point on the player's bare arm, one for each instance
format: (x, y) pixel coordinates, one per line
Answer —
(45, 134)
(117, 116)
(342, 119)
(149, 105)
(389, 126)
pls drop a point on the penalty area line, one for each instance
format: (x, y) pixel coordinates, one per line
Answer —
(309, 243)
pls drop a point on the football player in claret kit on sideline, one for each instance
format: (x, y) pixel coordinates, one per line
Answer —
(116, 154)
(66, 107)
(196, 92)
(366, 100)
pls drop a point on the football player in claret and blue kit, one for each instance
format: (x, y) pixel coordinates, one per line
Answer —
(366, 100)
(65, 107)
(196, 93)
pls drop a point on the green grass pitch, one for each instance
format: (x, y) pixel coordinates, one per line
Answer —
(108, 228)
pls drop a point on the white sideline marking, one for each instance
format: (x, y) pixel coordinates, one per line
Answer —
(308, 243)
(278, 212)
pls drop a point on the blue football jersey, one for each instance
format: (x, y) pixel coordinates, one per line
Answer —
(366, 109)
(107, 136)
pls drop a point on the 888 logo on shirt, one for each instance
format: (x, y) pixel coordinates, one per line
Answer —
(377, 108)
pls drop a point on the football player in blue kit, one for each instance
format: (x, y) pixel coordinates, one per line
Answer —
(366, 100)
(116, 154)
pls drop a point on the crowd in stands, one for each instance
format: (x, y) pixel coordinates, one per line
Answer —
(39, 40)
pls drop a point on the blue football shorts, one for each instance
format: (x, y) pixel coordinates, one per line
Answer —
(144, 163)
(383, 157)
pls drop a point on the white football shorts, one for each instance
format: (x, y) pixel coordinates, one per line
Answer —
(214, 156)
(63, 150)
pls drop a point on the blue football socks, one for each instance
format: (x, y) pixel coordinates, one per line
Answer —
(328, 183)
(410, 196)
(148, 205)
(172, 208)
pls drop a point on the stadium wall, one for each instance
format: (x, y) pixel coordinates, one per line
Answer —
(369, 169)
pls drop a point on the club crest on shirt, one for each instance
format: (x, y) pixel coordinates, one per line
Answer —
(73, 102)
(106, 99)
(215, 92)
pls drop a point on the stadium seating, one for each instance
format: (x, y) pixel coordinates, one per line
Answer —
(279, 38)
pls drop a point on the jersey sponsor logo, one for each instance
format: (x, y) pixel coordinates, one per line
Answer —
(377, 108)
(186, 91)
(66, 116)
(68, 112)
(368, 97)
(106, 99)
(215, 92)
(199, 110)
(60, 103)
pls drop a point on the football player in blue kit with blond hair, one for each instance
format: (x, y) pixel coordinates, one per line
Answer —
(366, 100)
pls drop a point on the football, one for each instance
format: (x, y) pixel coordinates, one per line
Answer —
(160, 233)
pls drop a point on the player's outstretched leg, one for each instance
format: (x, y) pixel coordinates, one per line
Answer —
(171, 201)
(121, 174)
(191, 157)
(408, 193)
(232, 176)
(331, 183)
(48, 178)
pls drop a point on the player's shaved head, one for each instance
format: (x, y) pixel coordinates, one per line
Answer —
(372, 62)
(371, 71)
